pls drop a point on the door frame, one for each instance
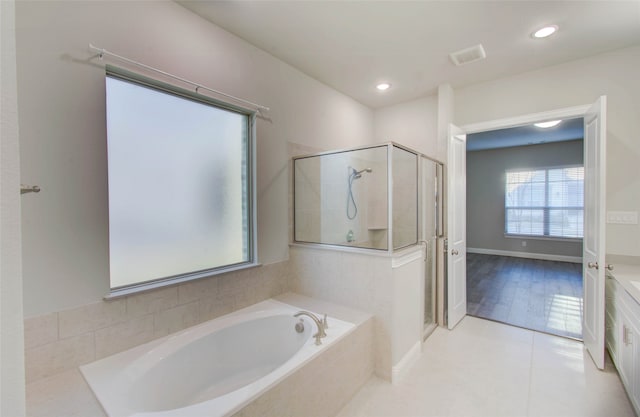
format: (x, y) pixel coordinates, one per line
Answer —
(515, 121)
(527, 119)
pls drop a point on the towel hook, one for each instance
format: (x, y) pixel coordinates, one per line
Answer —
(29, 189)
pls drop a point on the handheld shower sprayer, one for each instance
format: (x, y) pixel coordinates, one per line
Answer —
(354, 175)
(358, 174)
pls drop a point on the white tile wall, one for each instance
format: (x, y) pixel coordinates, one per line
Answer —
(367, 283)
(63, 340)
(363, 282)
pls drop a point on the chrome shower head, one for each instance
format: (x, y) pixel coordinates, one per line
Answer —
(358, 174)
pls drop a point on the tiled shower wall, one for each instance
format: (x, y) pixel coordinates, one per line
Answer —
(63, 340)
(359, 281)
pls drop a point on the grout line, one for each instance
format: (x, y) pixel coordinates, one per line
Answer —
(533, 340)
(57, 326)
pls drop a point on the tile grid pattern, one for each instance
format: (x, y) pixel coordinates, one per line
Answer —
(530, 293)
(362, 282)
(63, 340)
(483, 368)
(321, 387)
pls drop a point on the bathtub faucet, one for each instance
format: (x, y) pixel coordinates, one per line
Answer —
(320, 323)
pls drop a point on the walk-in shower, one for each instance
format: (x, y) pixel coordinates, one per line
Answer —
(373, 206)
(377, 199)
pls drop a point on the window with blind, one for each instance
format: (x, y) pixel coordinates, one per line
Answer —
(545, 202)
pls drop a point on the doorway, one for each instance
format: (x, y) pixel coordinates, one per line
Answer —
(593, 253)
(525, 194)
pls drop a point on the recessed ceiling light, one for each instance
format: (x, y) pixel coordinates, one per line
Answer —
(383, 86)
(545, 31)
(546, 125)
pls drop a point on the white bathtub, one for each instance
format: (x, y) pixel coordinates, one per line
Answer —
(212, 369)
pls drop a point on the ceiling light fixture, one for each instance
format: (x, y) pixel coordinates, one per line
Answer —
(546, 125)
(545, 31)
(383, 86)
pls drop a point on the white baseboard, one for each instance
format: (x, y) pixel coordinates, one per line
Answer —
(529, 255)
(399, 370)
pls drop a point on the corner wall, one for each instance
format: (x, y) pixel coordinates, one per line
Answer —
(412, 124)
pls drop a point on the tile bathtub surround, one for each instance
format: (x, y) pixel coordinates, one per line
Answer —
(324, 385)
(369, 283)
(354, 280)
(320, 388)
(64, 340)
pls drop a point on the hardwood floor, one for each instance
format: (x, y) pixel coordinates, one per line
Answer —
(540, 295)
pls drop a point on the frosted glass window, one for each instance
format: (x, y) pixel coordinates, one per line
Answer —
(545, 202)
(179, 185)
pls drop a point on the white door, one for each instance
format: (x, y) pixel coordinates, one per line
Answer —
(456, 226)
(594, 223)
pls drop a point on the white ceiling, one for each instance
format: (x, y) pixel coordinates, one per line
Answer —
(571, 129)
(353, 45)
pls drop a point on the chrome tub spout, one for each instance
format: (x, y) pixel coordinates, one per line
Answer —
(319, 323)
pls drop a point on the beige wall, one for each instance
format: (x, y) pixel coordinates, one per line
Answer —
(63, 138)
(485, 195)
(12, 392)
(575, 83)
(412, 124)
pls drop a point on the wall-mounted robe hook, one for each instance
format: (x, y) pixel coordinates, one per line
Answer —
(29, 189)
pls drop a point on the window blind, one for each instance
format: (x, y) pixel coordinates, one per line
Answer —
(545, 202)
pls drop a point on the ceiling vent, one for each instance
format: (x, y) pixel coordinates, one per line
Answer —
(465, 56)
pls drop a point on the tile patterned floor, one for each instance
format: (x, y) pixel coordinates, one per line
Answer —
(483, 368)
(540, 295)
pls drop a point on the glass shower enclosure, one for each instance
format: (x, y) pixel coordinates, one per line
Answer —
(359, 198)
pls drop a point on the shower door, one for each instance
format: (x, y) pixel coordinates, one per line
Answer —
(430, 229)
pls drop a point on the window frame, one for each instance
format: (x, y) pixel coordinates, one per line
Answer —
(545, 209)
(251, 191)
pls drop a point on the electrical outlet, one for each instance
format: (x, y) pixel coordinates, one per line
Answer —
(622, 217)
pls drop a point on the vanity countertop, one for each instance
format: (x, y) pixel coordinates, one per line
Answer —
(629, 277)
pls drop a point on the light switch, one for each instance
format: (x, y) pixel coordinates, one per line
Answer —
(622, 217)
